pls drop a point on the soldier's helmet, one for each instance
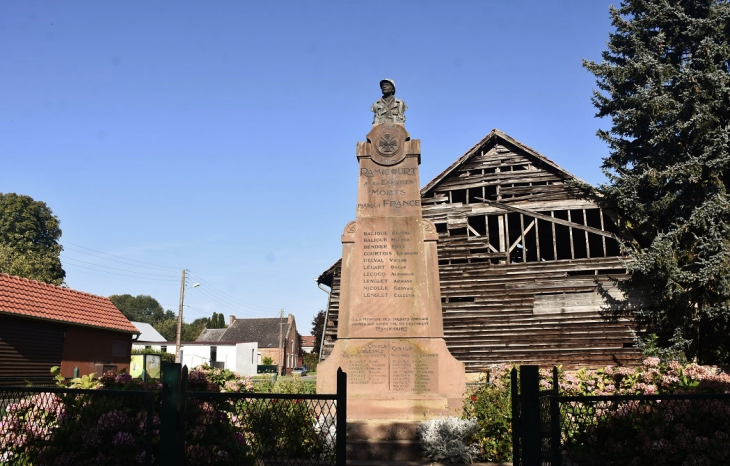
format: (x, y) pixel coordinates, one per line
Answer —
(386, 80)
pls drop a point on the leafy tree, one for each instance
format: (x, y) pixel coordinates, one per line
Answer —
(665, 84)
(311, 360)
(167, 328)
(267, 361)
(318, 330)
(29, 234)
(191, 331)
(141, 308)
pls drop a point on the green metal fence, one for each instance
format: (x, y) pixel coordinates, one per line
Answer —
(40, 425)
(689, 429)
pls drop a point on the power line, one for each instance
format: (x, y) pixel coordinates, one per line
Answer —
(228, 297)
(121, 275)
(65, 257)
(118, 257)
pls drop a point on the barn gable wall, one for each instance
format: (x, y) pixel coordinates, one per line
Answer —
(529, 269)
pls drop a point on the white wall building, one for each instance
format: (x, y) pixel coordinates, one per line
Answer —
(237, 357)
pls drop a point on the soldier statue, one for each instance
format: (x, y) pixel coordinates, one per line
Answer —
(388, 109)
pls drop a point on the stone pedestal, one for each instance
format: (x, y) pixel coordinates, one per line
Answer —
(390, 332)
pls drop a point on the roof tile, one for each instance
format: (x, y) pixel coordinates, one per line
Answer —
(20, 296)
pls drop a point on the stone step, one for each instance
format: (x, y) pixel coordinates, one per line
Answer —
(383, 440)
(382, 430)
(380, 450)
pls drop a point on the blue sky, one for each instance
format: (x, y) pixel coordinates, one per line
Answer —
(220, 136)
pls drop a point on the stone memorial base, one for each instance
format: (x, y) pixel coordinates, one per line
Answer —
(406, 379)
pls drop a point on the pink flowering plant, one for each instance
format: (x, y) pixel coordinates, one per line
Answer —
(111, 428)
(612, 423)
(39, 427)
(661, 432)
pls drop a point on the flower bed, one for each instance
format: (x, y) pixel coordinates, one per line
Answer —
(115, 420)
(490, 404)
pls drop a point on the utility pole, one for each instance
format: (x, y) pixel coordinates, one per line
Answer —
(180, 318)
(281, 323)
(178, 357)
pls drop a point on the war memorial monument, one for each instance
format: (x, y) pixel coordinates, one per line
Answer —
(390, 329)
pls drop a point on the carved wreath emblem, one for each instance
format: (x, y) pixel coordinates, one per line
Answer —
(388, 145)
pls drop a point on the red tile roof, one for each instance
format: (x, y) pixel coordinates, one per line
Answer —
(307, 340)
(20, 296)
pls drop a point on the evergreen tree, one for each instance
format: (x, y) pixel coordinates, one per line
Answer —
(665, 84)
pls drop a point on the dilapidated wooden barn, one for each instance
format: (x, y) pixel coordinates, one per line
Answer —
(528, 266)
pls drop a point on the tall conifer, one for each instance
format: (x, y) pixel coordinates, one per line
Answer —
(664, 82)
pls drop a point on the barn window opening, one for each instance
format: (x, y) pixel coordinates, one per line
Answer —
(458, 195)
(441, 228)
(580, 237)
(460, 299)
(476, 195)
(477, 225)
(544, 231)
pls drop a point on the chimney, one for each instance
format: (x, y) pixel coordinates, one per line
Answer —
(232, 319)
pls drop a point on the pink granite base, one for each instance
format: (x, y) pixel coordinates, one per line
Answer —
(408, 379)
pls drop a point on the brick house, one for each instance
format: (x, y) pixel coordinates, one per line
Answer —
(277, 338)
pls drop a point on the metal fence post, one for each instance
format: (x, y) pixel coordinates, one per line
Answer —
(168, 414)
(341, 442)
(555, 444)
(150, 428)
(516, 426)
(555, 432)
(530, 415)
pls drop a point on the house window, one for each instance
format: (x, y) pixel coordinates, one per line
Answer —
(120, 349)
(253, 355)
(213, 354)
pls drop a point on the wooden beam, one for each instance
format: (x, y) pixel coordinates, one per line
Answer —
(522, 238)
(570, 231)
(555, 243)
(548, 218)
(522, 235)
(588, 246)
(600, 212)
(537, 239)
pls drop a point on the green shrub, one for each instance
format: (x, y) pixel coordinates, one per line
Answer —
(490, 406)
(164, 355)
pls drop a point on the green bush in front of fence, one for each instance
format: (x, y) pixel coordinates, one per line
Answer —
(490, 405)
(292, 385)
(647, 432)
(105, 429)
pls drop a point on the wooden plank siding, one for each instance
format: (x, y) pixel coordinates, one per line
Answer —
(528, 268)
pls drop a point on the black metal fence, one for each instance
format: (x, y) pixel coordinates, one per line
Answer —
(69, 426)
(618, 430)
(686, 430)
(115, 427)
